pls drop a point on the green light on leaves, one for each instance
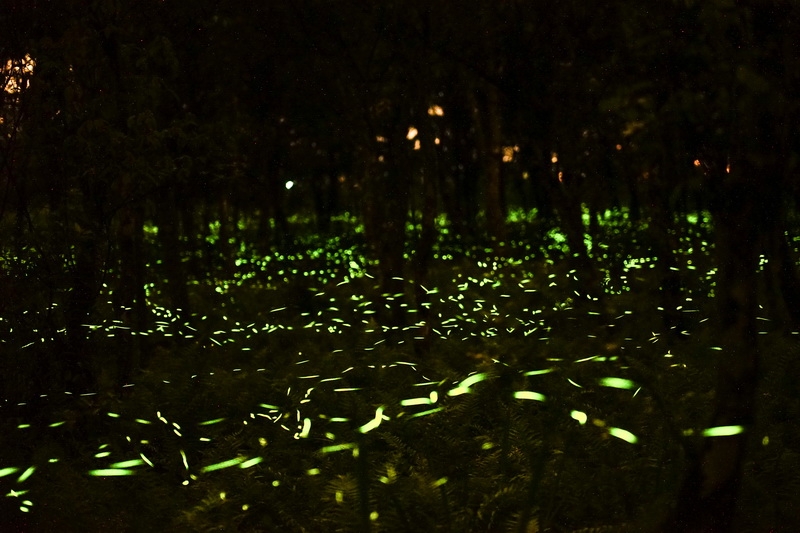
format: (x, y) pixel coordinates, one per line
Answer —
(539, 372)
(580, 416)
(426, 413)
(111, 472)
(8, 471)
(617, 383)
(251, 462)
(211, 422)
(338, 448)
(529, 395)
(224, 464)
(723, 431)
(464, 386)
(128, 464)
(306, 428)
(375, 422)
(623, 434)
(26, 474)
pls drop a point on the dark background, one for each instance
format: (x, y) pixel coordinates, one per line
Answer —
(177, 115)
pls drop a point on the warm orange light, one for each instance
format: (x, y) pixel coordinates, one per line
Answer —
(560, 177)
(412, 132)
(16, 72)
(728, 168)
(554, 158)
(436, 111)
(436, 141)
(417, 145)
(380, 139)
(619, 147)
(508, 154)
(697, 162)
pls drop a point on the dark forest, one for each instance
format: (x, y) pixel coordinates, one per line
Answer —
(399, 266)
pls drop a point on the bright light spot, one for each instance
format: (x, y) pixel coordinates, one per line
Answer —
(16, 72)
(412, 132)
(580, 416)
(697, 162)
(26, 474)
(306, 428)
(375, 422)
(8, 471)
(617, 383)
(723, 431)
(417, 145)
(436, 111)
(289, 184)
(623, 434)
(529, 395)
(108, 472)
(618, 147)
(221, 465)
(415, 401)
(251, 462)
(538, 372)
(437, 141)
(554, 158)
(464, 386)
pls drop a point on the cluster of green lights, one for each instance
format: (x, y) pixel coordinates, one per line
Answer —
(489, 295)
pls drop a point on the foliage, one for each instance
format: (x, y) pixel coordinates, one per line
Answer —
(266, 386)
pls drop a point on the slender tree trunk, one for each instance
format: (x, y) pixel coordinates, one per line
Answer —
(169, 232)
(392, 241)
(707, 500)
(386, 203)
(495, 214)
(427, 237)
(78, 375)
(461, 132)
(129, 291)
(490, 140)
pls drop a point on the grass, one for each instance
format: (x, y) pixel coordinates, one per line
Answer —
(286, 404)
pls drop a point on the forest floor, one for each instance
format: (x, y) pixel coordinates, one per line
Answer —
(283, 403)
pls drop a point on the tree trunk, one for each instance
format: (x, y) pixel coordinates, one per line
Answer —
(495, 215)
(130, 295)
(386, 210)
(427, 237)
(171, 249)
(490, 140)
(78, 374)
(707, 500)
